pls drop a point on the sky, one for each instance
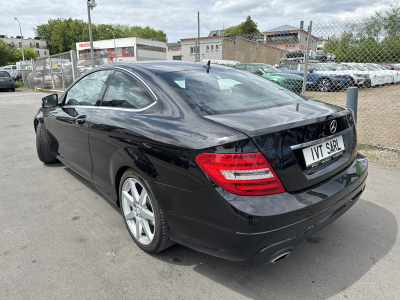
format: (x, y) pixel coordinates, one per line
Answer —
(178, 19)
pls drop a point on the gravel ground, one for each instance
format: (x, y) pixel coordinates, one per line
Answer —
(378, 119)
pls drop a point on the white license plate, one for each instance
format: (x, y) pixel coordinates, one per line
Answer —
(322, 151)
(2, 79)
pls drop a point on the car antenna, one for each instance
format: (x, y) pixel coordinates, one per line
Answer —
(207, 66)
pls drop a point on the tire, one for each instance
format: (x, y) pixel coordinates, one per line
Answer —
(13, 89)
(350, 83)
(43, 147)
(155, 238)
(324, 84)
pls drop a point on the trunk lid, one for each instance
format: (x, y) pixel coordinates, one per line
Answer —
(281, 134)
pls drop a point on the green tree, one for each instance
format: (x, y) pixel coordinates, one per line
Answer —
(375, 39)
(247, 27)
(62, 35)
(5, 53)
(29, 53)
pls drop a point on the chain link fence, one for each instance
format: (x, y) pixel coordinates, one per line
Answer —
(320, 61)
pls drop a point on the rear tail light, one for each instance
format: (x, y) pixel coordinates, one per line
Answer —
(10, 78)
(241, 174)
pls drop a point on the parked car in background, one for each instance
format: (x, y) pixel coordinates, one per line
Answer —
(321, 56)
(289, 81)
(311, 54)
(243, 172)
(316, 80)
(357, 79)
(394, 73)
(387, 75)
(330, 57)
(6, 81)
(376, 78)
(392, 66)
(295, 53)
(16, 75)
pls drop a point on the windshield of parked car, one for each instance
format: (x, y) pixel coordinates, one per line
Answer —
(228, 91)
(386, 67)
(378, 67)
(315, 67)
(358, 68)
(4, 74)
(48, 72)
(370, 68)
(397, 66)
(268, 68)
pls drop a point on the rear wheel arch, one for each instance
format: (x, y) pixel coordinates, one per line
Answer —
(117, 181)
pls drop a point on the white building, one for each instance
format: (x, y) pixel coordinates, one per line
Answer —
(127, 49)
(36, 43)
(209, 47)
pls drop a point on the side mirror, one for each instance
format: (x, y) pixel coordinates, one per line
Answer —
(311, 70)
(258, 72)
(50, 101)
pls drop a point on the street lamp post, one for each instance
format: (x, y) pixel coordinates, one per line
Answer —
(115, 48)
(22, 43)
(90, 5)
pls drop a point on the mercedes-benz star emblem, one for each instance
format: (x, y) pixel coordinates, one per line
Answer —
(333, 126)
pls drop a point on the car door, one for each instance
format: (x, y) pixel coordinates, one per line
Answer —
(69, 123)
(112, 126)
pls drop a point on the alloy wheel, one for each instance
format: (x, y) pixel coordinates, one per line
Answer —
(138, 211)
(324, 85)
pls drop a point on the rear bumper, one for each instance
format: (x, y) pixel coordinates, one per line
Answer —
(7, 84)
(253, 230)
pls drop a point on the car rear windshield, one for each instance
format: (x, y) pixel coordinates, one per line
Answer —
(4, 74)
(228, 91)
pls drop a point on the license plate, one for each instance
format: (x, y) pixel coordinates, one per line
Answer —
(322, 151)
(2, 79)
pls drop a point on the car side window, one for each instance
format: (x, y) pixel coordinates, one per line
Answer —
(241, 67)
(253, 69)
(86, 91)
(125, 91)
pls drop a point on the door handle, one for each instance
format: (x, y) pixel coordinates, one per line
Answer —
(80, 120)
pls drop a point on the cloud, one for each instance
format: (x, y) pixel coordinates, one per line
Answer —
(179, 19)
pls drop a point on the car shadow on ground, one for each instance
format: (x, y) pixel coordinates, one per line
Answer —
(321, 267)
(88, 185)
(326, 264)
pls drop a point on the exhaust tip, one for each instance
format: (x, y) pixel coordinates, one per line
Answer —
(280, 257)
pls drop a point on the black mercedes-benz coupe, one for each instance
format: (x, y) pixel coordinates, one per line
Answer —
(217, 159)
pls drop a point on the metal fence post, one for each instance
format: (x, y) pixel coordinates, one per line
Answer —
(352, 100)
(74, 66)
(51, 74)
(303, 90)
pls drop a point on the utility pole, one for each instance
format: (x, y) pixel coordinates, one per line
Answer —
(22, 43)
(198, 33)
(90, 5)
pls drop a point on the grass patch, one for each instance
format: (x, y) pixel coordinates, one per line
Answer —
(384, 156)
(19, 84)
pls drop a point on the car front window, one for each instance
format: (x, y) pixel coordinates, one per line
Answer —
(86, 91)
(230, 91)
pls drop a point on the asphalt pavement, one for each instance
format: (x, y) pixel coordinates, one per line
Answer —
(61, 239)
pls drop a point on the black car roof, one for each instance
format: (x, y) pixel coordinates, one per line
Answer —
(164, 66)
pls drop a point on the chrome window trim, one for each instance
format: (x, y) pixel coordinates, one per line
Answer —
(110, 107)
(136, 76)
(298, 146)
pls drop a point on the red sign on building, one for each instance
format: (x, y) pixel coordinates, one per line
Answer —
(84, 45)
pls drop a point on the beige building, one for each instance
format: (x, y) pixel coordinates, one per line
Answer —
(217, 48)
(36, 43)
(247, 51)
